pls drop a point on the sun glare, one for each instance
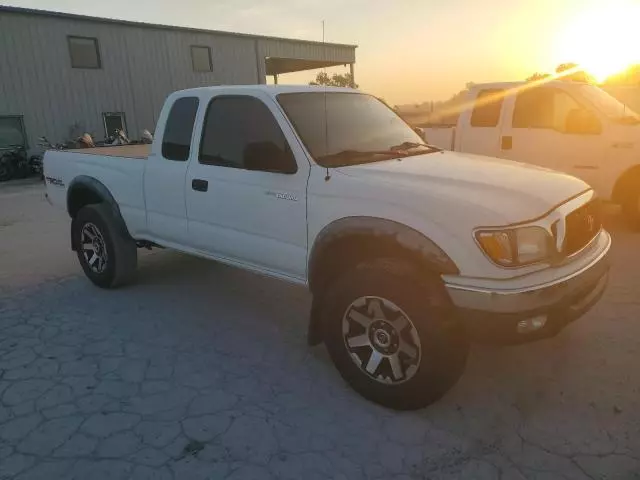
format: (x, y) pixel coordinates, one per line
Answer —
(604, 39)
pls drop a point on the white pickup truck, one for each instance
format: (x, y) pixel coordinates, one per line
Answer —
(571, 127)
(407, 250)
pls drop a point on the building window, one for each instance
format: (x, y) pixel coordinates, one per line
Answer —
(84, 52)
(113, 121)
(201, 59)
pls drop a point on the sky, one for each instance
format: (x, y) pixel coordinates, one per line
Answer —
(409, 51)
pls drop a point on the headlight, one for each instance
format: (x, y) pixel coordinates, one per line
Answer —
(515, 247)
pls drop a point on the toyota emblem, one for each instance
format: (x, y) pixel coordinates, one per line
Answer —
(590, 222)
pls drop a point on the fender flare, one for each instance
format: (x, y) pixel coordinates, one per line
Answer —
(405, 236)
(100, 191)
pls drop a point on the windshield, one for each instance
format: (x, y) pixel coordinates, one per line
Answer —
(341, 129)
(608, 105)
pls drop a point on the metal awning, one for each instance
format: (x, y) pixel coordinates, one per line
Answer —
(278, 65)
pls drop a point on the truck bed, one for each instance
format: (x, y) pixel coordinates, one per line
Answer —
(113, 167)
(126, 151)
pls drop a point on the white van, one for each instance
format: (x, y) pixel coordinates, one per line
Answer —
(572, 127)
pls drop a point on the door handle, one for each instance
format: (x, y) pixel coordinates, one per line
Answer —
(199, 185)
(507, 143)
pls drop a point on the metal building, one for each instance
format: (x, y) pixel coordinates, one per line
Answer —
(64, 74)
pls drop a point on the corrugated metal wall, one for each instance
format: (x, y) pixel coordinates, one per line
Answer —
(140, 66)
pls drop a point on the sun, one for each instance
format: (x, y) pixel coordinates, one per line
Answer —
(603, 39)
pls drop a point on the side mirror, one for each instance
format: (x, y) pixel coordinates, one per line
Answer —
(268, 157)
(419, 131)
(582, 122)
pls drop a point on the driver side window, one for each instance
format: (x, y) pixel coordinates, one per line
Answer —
(544, 107)
(240, 132)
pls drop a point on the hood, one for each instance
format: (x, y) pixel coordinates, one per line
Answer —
(516, 191)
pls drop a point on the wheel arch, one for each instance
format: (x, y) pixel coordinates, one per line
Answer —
(349, 241)
(624, 183)
(84, 190)
(366, 237)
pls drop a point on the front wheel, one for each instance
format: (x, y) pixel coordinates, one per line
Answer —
(107, 255)
(631, 209)
(391, 334)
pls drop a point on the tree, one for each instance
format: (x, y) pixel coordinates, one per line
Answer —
(536, 77)
(578, 74)
(336, 80)
(563, 67)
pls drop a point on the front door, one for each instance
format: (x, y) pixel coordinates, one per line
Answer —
(540, 132)
(246, 193)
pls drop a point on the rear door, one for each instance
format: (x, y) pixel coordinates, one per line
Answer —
(480, 132)
(246, 186)
(164, 179)
(537, 132)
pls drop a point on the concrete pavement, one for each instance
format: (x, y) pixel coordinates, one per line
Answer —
(201, 371)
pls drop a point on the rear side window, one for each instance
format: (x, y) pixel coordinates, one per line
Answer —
(176, 141)
(241, 132)
(487, 108)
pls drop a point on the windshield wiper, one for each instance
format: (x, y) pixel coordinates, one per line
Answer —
(338, 159)
(411, 145)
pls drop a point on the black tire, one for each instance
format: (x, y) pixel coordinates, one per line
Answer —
(443, 346)
(121, 251)
(631, 208)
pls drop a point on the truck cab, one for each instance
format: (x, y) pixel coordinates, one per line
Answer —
(572, 127)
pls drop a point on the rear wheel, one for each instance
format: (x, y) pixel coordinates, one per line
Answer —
(107, 256)
(391, 334)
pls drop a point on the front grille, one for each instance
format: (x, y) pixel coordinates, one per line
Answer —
(582, 225)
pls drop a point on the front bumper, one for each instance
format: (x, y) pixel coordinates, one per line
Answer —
(497, 312)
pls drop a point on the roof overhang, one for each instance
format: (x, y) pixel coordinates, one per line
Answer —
(277, 65)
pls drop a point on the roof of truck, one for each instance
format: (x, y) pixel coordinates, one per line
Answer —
(510, 85)
(272, 89)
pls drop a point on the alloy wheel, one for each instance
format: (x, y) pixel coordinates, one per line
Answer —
(381, 340)
(93, 248)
